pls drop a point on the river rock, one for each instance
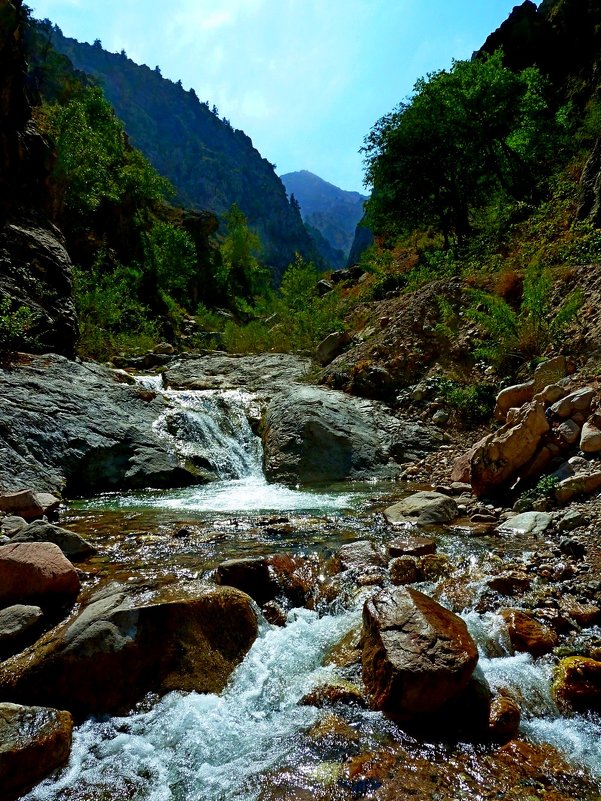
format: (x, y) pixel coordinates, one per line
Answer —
(12, 524)
(411, 546)
(527, 634)
(577, 684)
(359, 555)
(504, 719)
(71, 544)
(289, 579)
(404, 570)
(416, 654)
(425, 508)
(313, 434)
(496, 460)
(32, 570)
(590, 440)
(15, 622)
(33, 742)
(71, 427)
(28, 504)
(265, 374)
(124, 644)
(580, 484)
(526, 523)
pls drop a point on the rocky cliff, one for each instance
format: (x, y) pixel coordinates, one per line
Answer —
(36, 304)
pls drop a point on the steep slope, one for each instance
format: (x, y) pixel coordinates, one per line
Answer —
(332, 211)
(210, 164)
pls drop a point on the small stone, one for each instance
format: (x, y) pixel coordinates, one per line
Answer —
(15, 621)
(571, 520)
(504, 719)
(440, 417)
(569, 432)
(12, 524)
(527, 634)
(590, 440)
(411, 546)
(579, 401)
(509, 583)
(404, 570)
(434, 566)
(427, 507)
(577, 684)
(526, 523)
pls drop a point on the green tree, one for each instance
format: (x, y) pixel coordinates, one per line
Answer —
(243, 274)
(464, 134)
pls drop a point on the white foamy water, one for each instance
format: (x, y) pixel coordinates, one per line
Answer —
(529, 682)
(209, 747)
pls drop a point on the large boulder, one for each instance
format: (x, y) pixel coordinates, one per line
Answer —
(33, 742)
(494, 461)
(577, 684)
(528, 634)
(417, 656)
(318, 435)
(124, 644)
(36, 571)
(73, 428)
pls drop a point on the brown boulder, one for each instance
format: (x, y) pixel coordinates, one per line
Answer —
(497, 459)
(31, 570)
(125, 644)
(29, 504)
(33, 742)
(580, 484)
(411, 546)
(527, 634)
(504, 719)
(404, 570)
(416, 654)
(590, 439)
(267, 578)
(359, 555)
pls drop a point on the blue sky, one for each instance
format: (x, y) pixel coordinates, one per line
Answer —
(305, 79)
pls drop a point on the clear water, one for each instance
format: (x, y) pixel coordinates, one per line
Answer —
(217, 748)
(207, 746)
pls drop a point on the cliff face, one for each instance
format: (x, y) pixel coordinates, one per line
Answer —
(35, 270)
(561, 37)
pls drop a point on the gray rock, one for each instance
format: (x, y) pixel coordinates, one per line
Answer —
(71, 544)
(12, 524)
(331, 346)
(71, 427)
(427, 508)
(590, 441)
(313, 434)
(579, 401)
(265, 374)
(571, 520)
(34, 741)
(359, 555)
(569, 431)
(526, 523)
(17, 620)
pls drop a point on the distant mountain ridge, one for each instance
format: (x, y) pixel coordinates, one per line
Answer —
(334, 212)
(211, 164)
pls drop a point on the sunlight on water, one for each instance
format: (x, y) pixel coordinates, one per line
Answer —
(207, 746)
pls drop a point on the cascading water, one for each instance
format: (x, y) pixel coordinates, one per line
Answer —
(188, 747)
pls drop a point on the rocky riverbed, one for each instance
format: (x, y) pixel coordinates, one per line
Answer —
(394, 638)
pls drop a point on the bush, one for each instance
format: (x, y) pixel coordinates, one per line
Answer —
(15, 324)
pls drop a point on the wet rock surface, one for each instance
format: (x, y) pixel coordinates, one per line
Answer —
(189, 639)
(416, 654)
(36, 570)
(34, 741)
(70, 427)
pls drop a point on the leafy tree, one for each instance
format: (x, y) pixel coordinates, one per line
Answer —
(243, 274)
(466, 133)
(170, 257)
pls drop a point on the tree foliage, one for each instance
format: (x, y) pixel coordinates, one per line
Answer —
(466, 133)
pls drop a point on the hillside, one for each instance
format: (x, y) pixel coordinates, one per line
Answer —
(333, 212)
(211, 164)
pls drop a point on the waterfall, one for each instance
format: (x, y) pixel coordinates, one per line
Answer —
(211, 429)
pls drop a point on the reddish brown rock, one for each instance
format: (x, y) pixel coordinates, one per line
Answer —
(417, 655)
(33, 742)
(590, 440)
(404, 570)
(33, 570)
(504, 719)
(510, 583)
(527, 634)
(411, 546)
(29, 504)
(359, 555)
